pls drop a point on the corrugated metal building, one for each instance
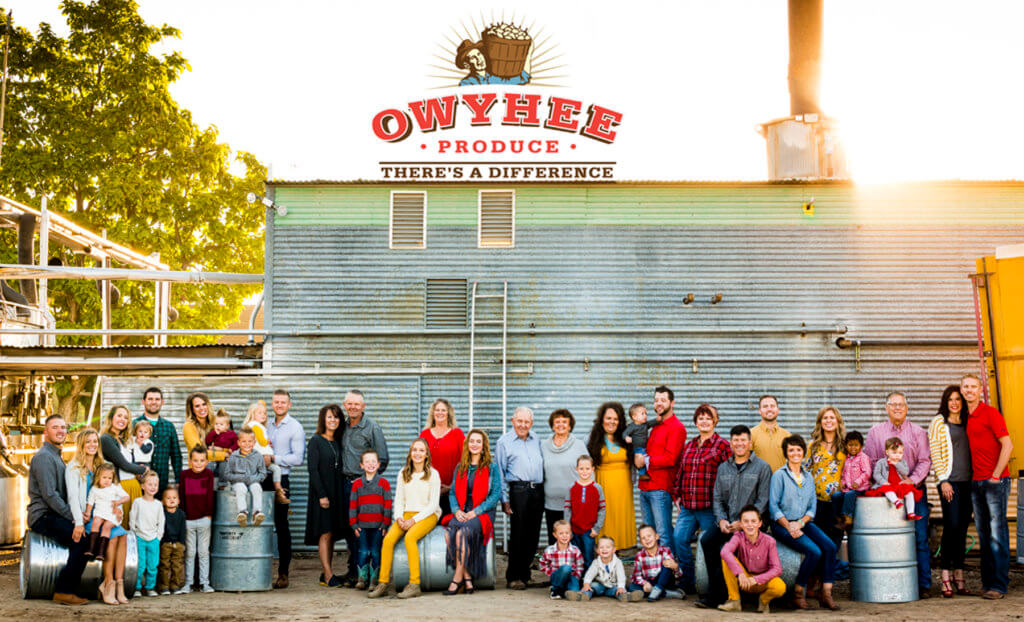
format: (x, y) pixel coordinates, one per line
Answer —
(369, 285)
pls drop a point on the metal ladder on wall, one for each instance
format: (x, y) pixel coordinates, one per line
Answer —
(482, 339)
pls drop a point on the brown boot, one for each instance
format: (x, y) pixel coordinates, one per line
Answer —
(282, 582)
(280, 498)
(799, 602)
(825, 600)
(68, 599)
(90, 549)
(379, 591)
(101, 548)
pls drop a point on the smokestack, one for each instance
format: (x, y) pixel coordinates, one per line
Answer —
(26, 240)
(805, 26)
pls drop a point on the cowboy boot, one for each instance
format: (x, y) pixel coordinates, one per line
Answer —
(90, 549)
(825, 600)
(101, 548)
(799, 602)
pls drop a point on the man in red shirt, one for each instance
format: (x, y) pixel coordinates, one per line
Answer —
(664, 446)
(990, 454)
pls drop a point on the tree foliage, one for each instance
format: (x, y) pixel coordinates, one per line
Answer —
(90, 121)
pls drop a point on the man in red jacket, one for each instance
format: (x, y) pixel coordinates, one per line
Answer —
(664, 446)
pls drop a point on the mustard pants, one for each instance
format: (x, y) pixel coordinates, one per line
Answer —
(775, 588)
(412, 551)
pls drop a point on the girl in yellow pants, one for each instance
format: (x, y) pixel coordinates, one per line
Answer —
(416, 510)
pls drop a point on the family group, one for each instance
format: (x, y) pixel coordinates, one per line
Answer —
(743, 496)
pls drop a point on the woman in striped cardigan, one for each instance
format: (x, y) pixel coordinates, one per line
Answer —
(951, 464)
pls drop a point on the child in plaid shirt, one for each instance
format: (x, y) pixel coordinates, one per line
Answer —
(654, 570)
(563, 562)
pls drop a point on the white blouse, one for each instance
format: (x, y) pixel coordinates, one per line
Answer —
(422, 496)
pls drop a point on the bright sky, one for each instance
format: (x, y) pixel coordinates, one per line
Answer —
(923, 89)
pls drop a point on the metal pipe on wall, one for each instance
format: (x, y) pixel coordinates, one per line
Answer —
(844, 342)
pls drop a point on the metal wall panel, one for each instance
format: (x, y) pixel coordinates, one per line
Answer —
(392, 402)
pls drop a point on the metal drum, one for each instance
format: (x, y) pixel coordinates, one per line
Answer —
(789, 559)
(434, 571)
(42, 560)
(13, 501)
(241, 558)
(1020, 520)
(883, 553)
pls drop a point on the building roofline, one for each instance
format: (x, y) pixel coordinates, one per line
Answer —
(278, 183)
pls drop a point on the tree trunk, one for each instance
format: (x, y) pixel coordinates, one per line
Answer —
(68, 403)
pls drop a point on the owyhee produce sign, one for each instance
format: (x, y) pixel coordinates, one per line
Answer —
(481, 123)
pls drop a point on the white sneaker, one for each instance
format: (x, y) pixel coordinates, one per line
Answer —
(150, 593)
(207, 589)
(185, 590)
(165, 593)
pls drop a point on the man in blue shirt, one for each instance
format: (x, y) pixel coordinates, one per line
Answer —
(522, 494)
(289, 441)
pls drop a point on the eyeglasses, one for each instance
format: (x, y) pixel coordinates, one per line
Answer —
(896, 404)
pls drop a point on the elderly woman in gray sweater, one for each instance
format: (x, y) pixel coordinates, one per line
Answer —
(560, 452)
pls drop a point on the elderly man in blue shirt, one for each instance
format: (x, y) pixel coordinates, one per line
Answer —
(289, 441)
(522, 494)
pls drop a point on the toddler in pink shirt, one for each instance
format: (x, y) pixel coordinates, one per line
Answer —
(855, 481)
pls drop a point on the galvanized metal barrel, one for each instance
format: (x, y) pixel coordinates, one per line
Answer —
(13, 501)
(435, 574)
(1020, 520)
(42, 559)
(241, 558)
(883, 553)
(789, 559)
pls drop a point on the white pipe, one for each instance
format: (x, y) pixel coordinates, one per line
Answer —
(17, 271)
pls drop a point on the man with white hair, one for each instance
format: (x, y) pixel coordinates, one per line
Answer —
(519, 457)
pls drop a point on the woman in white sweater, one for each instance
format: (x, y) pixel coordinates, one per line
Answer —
(416, 510)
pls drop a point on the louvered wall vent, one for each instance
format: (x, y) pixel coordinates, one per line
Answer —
(446, 303)
(497, 220)
(408, 227)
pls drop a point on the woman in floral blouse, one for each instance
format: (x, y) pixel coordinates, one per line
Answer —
(825, 457)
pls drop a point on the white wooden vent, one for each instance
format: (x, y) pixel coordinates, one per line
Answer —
(446, 303)
(497, 220)
(408, 227)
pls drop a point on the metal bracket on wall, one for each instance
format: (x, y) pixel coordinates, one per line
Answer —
(856, 356)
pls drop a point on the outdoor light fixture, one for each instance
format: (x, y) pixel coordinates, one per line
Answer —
(808, 207)
(280, 209)
(716, 298)
(688, 299)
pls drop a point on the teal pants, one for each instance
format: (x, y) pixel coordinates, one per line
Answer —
(149, 557)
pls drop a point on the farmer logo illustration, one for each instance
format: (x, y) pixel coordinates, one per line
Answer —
(502, 56)
(501, 53)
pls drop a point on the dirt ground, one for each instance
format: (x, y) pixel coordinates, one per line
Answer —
(306, 600)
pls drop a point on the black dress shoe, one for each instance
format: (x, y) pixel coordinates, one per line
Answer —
(703, 603)
(924, 593)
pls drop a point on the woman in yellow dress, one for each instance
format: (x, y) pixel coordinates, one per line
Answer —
(824, 461)
(613, 459)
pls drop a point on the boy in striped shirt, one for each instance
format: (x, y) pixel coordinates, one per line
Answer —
(369, 514)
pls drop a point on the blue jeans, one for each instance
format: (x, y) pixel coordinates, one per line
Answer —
(993, 533)
(924, 551)
(149, 557)
(656, 508)
(666, 580)
(562, 580)
(585, 543)
(600, 589)
(819, 552)
(368, 559)
(846, 501)
(686, 527)
(640, 451)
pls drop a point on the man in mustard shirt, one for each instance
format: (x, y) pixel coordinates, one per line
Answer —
(766, 437)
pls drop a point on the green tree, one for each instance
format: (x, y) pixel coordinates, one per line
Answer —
(91, 122)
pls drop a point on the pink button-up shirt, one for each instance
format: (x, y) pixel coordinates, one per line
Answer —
(857, 472)
(915, 446)
(760, 559)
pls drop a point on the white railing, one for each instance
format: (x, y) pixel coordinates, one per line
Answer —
(14, 315)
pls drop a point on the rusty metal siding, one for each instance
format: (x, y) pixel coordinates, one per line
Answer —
(391, 401)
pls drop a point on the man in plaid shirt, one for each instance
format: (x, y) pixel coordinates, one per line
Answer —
(654, 569)
(562, 561)
(165, 438)
(693, 490)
